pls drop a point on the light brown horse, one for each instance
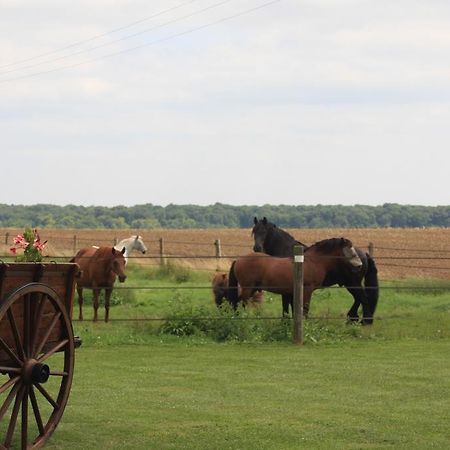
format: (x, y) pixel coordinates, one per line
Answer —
(100, 266)
(258, 271)
(220, 290)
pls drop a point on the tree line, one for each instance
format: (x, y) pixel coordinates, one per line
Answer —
(148, 216)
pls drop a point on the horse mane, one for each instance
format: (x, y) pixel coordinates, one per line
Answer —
(131, 238)
(283, 234)
(329, 245)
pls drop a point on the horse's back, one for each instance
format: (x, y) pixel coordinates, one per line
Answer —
(270, 273)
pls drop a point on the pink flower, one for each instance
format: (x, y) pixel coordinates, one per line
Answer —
(38, 245)
(20, 241)
(13, 250)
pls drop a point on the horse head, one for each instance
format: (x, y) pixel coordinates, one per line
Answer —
(259, 233)
(139, 245)
(118, 264)
(350, 254)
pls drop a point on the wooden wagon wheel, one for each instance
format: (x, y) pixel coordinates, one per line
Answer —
(36, 338)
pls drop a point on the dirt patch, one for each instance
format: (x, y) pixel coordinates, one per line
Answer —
(399, 253)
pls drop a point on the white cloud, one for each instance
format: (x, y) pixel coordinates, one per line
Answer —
(277, 106)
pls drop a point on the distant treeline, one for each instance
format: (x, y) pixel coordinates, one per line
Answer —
(223, 216)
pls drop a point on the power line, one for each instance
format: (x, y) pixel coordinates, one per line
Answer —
(98, 36)
(138, 47)
(107, 44)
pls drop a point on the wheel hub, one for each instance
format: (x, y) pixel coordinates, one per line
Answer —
(35, 372)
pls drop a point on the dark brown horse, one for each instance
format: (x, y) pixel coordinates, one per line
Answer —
(259, 271)
(220, 290)
(362, 283)
(99, 268)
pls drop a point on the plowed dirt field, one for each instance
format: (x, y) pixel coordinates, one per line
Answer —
(398, 253)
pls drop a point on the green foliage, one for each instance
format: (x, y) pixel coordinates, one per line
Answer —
(224, 216)
(30, 244)
(172, 272)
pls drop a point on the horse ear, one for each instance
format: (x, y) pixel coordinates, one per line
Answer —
(255, 220)
(123, 251)
(264, 221)
(113, 251)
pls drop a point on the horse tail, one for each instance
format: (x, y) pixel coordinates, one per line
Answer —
(371, 282)
(233, 294)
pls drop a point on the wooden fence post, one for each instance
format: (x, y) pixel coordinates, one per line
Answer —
(6, 243)
(218, 253)
(161, 252)
(298, 295)
(371, 249)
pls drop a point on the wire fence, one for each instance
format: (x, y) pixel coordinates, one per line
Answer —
(430, 265)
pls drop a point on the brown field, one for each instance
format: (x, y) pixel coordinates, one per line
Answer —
(399, 253)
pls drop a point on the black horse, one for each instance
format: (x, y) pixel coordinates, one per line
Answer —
(276, 242)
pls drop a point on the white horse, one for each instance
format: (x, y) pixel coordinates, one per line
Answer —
(130, 244)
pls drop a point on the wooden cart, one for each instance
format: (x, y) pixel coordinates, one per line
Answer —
(37, 348)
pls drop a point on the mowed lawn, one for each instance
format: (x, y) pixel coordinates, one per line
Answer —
(181, 393)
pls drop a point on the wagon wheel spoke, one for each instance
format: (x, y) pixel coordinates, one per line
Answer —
(37, 324)
(26, 324)
(9, 398)
(59, 373)
(11, 354)
(24, 429)
(36, 411)
(10, 370)
(47, 396)
(53, 350)
(56, 317)
(19, 346)
(8, 384)
(13, 420)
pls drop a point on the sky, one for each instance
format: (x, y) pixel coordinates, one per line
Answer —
(242, 102)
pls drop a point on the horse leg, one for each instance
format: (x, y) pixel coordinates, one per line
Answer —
(96, 295)
(307, 293)
(286, 300)
(360, 298)
(352, 313)
(108, 293)
(80, 302)
(245, 294)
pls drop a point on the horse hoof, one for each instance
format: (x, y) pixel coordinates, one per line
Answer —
(367, 322)
(351, 319)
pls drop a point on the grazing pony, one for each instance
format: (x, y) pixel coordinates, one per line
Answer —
(220, 290)
(99, 268)
(129, 244)
(276, 242)
(258, 271)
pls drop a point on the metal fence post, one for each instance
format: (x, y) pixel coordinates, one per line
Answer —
(298, 295)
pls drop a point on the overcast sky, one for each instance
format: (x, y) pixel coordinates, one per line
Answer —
(116, 102)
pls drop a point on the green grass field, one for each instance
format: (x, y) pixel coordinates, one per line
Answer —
(223, 383)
